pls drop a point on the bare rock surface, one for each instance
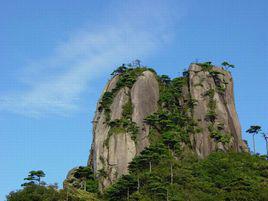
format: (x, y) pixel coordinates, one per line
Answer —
(199, 83)
(144, 97)
(113, 156)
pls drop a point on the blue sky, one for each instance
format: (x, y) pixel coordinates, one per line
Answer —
(56, 56)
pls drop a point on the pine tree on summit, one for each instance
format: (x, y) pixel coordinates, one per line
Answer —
(119, 70)
(227, 65)
(33, 177)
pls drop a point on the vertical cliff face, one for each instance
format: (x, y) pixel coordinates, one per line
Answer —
(214, 111)
(114, 142)
(120, 132)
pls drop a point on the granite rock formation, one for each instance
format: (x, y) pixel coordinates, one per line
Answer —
(120, 132)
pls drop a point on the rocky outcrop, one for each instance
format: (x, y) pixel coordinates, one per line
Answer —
(112, 152)
(144, 97)
(219, 83)
(115, 145)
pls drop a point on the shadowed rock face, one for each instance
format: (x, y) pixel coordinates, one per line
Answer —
(112, 153)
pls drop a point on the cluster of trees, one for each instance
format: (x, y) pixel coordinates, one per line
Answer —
(35, 189)
(121, 69)
(34, 177)
(157, 175)
(207, 66)
(85, 175)
(227, 65)
(36, 193)
(222, 176)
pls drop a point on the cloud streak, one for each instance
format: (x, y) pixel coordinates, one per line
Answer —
(54, 85)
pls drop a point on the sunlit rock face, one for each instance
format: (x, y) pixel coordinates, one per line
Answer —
(113, 156)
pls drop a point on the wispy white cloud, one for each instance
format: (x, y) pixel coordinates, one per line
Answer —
(54, 84)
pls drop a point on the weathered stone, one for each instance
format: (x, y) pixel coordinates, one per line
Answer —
(114, 156)
(122, 150)
(201, 82)
(144, 96)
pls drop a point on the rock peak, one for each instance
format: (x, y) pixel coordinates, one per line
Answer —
(138, 107)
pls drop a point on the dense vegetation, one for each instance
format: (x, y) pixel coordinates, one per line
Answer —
(173, 121)
(222, 176)
(84, 179)
(157, 175)
(81, 188)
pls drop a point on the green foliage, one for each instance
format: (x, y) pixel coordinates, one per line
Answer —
(221, 177)
(33, 177)
(211, 114)
(86, 175)
(84, 172)
(221, 88)
(185, 73)
(218, 134)
(172, 123)
(129, 77)
(165, 79)
(210, 93)
(155, 187)
(127, 110)
(172, 139)
(255, 129)
(227, 65)
(215, 131)
(206, 66)
(102, 173)
(105, 103)
(35, 193)
(171, 92)
(122, 189)
(92, 186)
(119, 70)
(49, 193)
(151, 155)
(126, 78)
(123, 126)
